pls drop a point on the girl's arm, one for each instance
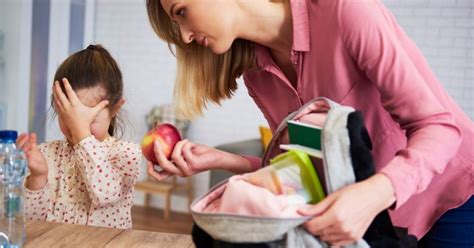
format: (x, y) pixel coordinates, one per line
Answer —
(109, 170)
(37, 204)
(38, 200)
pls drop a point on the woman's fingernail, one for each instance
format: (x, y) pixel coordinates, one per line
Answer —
(157, 144)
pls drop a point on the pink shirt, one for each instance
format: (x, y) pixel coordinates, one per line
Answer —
(355, 53)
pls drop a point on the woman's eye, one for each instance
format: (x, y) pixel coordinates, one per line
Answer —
(180, 12)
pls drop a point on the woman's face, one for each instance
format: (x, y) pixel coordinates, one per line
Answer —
(208, 22)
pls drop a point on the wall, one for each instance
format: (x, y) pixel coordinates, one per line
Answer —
(3, 104)
(443, 30)
(15, 22)
(58, 51)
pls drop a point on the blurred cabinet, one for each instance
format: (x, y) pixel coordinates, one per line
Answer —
(166, 188)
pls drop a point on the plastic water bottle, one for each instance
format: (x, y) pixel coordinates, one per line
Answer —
(7, 147)
(13, 169)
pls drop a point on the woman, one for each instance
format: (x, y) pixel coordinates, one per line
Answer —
(354, 53)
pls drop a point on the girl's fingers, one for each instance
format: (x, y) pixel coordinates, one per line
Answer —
(163, 161)
(59, 95)
(71, 95)
(27, 147)
(158, 175)
(27, 153)
(101, 105)
(33, 146)
(21, 135)
(21, 140)
(57, 103)
(33, 138)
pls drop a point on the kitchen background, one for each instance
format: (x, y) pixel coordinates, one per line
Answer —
(36, 35)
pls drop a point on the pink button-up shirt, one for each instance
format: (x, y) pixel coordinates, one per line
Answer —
(355, 53)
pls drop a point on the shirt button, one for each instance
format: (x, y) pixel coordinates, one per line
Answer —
(294, 57)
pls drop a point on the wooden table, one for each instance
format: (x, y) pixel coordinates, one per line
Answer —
(50, 234)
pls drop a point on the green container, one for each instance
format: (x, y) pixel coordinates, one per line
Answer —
(296, 175)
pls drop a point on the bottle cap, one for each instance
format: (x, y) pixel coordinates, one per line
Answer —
(8, 135)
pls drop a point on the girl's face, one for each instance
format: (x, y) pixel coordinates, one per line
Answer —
(100, 126)
(207, 22)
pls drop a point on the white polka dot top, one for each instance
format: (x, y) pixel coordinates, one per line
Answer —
(90, 183)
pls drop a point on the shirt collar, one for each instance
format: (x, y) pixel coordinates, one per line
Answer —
(301, 35)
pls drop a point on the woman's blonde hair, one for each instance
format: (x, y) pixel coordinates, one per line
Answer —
(202, 76)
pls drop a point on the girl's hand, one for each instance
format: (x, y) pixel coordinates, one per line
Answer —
(189, 158)
(344, 216)
(36, 162)
(77, 116)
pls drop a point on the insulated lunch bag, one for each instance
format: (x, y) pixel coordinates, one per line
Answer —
(346, 158)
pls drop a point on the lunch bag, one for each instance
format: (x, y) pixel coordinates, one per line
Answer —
(345, 147)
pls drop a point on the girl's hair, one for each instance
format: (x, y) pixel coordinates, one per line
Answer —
(92, 67)
(202, 76)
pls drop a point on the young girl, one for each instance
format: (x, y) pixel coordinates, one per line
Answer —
(88, 177)
(355, 53)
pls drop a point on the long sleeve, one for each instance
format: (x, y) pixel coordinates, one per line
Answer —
(409, 92)
(37, 203)
(109, 171)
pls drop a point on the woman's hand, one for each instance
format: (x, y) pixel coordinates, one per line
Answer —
(189, 158)
(343, 216)
(36, 162)
(77, 116)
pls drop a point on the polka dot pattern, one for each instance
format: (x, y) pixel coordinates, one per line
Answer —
(90, 183)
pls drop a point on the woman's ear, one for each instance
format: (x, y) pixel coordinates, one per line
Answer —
(117, 107)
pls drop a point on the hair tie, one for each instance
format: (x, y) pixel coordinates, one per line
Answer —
(93, 47)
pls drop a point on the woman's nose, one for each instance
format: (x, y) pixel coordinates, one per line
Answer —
(186, 34)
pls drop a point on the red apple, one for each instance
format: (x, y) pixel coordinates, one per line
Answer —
(166, 134)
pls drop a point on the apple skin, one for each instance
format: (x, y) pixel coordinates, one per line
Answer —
(166, 134)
